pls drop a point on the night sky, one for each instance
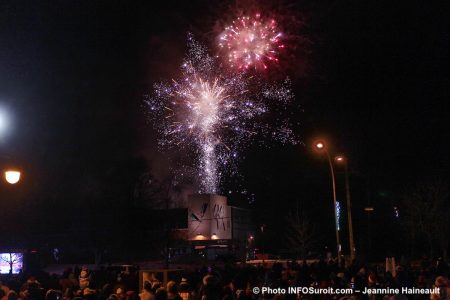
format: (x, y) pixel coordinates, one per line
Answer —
(73, 74)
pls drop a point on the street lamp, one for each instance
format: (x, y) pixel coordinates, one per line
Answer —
(340, 159)
(321, 146)
(369, 210)
(12, 176)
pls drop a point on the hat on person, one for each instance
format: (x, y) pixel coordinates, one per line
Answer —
(184, 286)
(12, 295)
(113, 297)
(210, 280)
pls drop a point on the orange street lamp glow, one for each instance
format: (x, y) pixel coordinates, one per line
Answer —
(339, 159)
(320, 145)
(12, 177)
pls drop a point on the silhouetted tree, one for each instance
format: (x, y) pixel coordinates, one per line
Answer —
(301, 234)
(150, 192)
(12, 259)
(426, 214)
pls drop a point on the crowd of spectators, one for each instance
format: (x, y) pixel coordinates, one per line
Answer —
(229, 282)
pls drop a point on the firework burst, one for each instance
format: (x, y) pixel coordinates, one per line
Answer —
(251, 41)
(213, 114)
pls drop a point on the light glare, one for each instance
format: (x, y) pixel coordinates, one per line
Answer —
(5, 121)
(12, 177)
(339, 158)
(320, 145)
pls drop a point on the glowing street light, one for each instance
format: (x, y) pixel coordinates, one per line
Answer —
(339, 159)
(319, 145)
(12, 177)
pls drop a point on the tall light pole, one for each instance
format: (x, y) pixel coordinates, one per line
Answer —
(12, 176)
(320, 146)
(340, 159)
(369, 210)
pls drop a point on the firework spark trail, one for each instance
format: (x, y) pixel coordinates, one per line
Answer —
(213, 114)
(204, 101)
(251, 41)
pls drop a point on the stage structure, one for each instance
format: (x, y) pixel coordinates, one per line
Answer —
(209, 218)
(213, 229)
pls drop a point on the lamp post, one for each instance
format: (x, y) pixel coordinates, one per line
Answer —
(320, 145)
(11, 177)
(340, 159)
(369, 210)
